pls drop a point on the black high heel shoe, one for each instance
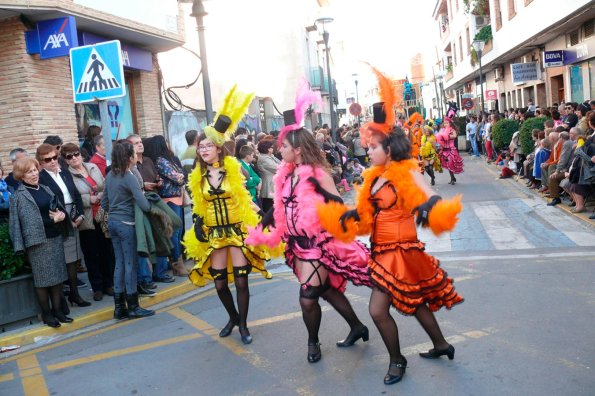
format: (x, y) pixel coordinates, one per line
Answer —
(398, 367)
(62, 318)
(78, 301)
(354, 335)
(226, 331)
(50, 320)
(314, 352)
(245, 334)
(434, 354)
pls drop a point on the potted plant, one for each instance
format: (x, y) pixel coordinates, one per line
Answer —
(17, 295)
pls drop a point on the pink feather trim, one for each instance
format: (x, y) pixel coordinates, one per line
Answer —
(304, 97)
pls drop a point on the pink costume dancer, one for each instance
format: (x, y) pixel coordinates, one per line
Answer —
(449, 155)
(322, 263)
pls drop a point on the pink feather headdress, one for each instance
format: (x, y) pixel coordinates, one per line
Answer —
(304, 97)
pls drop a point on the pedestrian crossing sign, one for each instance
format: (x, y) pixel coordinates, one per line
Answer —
(97, 72)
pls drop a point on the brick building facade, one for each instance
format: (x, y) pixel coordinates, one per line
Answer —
(36, 98)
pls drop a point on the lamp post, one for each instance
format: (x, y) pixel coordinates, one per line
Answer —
(356, 93)
(199, 12)
(440, 93)
(478, 47)
(325, 37)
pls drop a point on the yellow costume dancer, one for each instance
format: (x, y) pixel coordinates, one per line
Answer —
(223, 208)
(428, 153)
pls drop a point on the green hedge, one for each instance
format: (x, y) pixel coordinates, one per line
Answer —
(527, 143)
(502, 132)
(10, 263)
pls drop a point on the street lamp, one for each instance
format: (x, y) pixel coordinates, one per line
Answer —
(199, 12)
(440, 93)
(325, 36)
(478, 47)
(356, 93)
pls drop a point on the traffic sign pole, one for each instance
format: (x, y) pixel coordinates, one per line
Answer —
(106, 130)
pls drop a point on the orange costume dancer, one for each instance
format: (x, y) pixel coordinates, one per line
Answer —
(415, 133)
(404, 275)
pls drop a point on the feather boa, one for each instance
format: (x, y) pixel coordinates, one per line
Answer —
(442, 217)
(307, 200)
(234, 176)
(388, 95)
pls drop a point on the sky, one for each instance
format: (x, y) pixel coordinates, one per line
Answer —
(385, 33)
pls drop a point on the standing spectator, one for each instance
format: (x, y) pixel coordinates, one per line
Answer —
(4, 196)
(471, 134)
(121, 193)
(99, 157)
(188, 157)
(14, 155)
(267, 165)
(488, 137)
(171, 172)
(60, 181)
(34, 230)
(150, 182)
(88, 147)
(96, 247)
(246, 157)
(358, 151)
(56, 141)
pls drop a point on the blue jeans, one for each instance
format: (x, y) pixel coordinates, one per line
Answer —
(161, 267)
(143, 273)
(124, 242)
(474, 145)
(176, 238)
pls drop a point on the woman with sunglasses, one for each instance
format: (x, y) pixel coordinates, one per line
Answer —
(60, 181)
(97, 249)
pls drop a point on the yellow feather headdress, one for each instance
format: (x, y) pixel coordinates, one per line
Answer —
(228, 117)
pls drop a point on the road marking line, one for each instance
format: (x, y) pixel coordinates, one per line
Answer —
(280, 318)
(122, 352)
(250, 356)
(504, 257)
(498, 227)
(440, 243)
(6, 377)
(31, 376)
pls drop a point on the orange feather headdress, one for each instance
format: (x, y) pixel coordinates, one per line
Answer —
(384, 114)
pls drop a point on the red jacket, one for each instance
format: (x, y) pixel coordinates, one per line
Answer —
(100, 161)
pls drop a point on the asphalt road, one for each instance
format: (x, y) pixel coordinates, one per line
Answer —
(526, 326)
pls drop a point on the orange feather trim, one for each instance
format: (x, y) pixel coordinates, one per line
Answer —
(443, 216)
(388, 95)
(330, 214)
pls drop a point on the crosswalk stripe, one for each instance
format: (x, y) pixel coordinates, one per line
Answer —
(500, 228)
(580, 235)
(469, 233)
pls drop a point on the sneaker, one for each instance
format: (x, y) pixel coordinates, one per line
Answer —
(143, 291)
(554, 202)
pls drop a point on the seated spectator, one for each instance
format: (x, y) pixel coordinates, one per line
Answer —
(568, 140)
(542, 154)
(508, 169)
(582, 172)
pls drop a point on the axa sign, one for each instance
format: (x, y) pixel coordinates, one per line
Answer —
(57, 37)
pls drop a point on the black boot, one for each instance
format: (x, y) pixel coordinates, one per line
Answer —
(134, 310)
(120, 311)
(430, 171)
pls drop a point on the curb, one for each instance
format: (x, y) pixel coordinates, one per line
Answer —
(24, 338)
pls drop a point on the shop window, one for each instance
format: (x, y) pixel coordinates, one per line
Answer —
(592, 78)
(121, 112)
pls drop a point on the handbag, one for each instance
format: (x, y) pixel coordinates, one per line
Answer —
(187, 200)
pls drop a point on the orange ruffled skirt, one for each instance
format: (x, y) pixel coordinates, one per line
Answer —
(409, 275)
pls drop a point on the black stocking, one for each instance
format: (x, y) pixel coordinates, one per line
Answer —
(226, 298)
(72, 281)
(427, 320)
(56, 296)
(43, 298)
(452, 176)
(312, 316)
(342, 305)
(379, 311)
(243, 294)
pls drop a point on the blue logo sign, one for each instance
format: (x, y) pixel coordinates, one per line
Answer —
(553, 58)
(97, 72)
(56, 37)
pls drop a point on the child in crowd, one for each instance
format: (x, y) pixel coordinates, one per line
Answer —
(509, 167)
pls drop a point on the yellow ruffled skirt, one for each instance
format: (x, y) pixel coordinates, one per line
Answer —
(221, 237)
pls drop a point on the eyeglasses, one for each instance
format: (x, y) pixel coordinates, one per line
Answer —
(568, 107)
(71, 156)
(50, 159)
(206, 147)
